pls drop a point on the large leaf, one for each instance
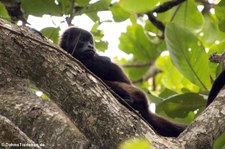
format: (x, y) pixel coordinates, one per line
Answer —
(135, 143)
(65, 6)
(83, 3)
(41, 7)
(188, 102)
(220, 144)
(136, 42)
(119, 14)
(189, 16)
(3, 12)
(220, 9)
(138, 6)
(92, 10)
(171, 78)
(209, 31)
(51, 33)
(188, 55)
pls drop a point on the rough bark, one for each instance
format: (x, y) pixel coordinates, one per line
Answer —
(12, 136)
(87, 102)
(40, 119)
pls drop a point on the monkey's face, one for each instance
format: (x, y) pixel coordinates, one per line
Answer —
(78, 43)
(83, 46)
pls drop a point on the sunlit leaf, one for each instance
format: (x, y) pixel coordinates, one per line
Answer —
(171, 78)
(189, 16)
(3, 12)
(188, 55)
(51, 33)
(41, 7)
(209, 31)
(92, 10)
(135, 143)
(65, 6)
(99, 6)
(138, 6)
(136, 41)
(101, 45)
(119, 14)
(82, 2)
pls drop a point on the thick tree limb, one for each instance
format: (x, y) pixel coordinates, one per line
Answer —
(205, 129)
(42, 120)
(13, 136)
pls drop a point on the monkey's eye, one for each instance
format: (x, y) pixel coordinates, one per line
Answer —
(82, 39)
(91, 41)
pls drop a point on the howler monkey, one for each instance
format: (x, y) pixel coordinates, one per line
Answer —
(79, 43)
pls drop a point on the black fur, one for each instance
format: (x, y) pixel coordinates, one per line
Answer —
(79, 43)
(216, 87)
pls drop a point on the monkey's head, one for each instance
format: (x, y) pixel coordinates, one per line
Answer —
(78, 42)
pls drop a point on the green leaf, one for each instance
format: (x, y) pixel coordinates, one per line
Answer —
(136, 42)
(119, 14)
(83, 3)
(93, 16)
(219, 143)
(51, 33)
(188, 55)
(101, 45)
(220, 9)
(135, 143)
(98, 35)
(188, 102)
(166, 93)
(99, 6)
(3, 12)
(92, 10)
(189, 16)
(154, 99)
(136, 73)
(65, 6)
(222, 25)
(171, 78)
(209, 31)
(138, 6)
(41, 7)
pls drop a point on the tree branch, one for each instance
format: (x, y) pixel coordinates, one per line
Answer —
(162, 8)
(167, 6)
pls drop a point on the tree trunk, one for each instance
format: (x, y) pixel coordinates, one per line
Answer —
(91, 116)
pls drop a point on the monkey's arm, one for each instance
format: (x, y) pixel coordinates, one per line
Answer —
(105, 69)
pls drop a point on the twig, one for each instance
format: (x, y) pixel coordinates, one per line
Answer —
(162, 8)
(70, 18)
(167, 5)
(138, 65)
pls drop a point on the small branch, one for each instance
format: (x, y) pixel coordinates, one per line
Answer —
(153, 71)
(138, 65)
(167, 5)
(156, 22)
(70, 18)
(162, 8)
